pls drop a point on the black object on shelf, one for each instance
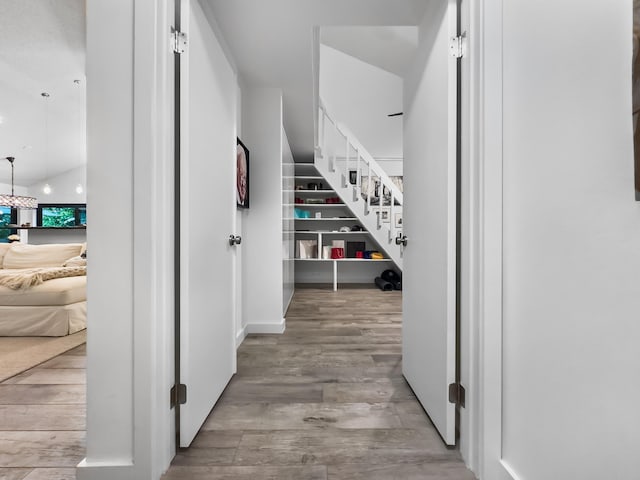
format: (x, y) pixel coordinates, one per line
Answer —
(353, 247)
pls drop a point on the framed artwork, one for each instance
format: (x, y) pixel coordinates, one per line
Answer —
(385, 215)
(242, 175)
(398, 220)
(353, 176)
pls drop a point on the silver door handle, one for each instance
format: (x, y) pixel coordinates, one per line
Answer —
(401, 240)
(235, 240)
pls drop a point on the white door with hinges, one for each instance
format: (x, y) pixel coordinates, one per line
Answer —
(208, 157)
(429, 223)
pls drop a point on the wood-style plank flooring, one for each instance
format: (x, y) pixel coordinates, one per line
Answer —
(324, 401)
(42, 420)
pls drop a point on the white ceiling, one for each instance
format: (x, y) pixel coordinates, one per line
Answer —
(389, 48)
(42, 49)
(271, 42)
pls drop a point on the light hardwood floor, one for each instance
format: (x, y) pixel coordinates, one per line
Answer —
(42, 420)
(324, 401)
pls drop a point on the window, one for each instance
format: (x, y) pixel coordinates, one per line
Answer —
(8, 216)
(62, 215)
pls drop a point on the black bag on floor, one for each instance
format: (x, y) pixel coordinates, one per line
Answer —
(393, 277)
(383, 284)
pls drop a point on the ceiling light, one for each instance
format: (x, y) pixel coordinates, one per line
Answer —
(79, 189)
(46, 189)
(16, 201)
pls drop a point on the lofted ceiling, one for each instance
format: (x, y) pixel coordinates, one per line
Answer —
(42, 49)
(390, 48)
(271, 42)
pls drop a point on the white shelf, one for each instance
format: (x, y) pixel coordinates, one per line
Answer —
(311, 191)
(309, 177)
(315, 232)
(335, 219)
(316, 205)
(343, 260)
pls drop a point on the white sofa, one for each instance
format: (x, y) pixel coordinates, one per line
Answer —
(56, 307)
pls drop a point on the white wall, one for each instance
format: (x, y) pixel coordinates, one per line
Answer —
(239, 230)
(288, 224)
(262, 223)
(361, 96)
(63, 187)
(571, 297)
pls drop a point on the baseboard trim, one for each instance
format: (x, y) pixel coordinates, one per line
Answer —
(509, 471)
(288, 303)
(104, 471)
(240, 336)
(272, 327)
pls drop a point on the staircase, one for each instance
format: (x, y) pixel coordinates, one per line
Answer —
(343, 161)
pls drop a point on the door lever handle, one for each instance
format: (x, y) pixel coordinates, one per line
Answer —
(235, 240)
(401, 239)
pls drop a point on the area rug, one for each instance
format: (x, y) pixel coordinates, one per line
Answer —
(18, 354)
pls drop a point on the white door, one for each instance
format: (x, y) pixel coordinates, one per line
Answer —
(207, 211)
(429, 258)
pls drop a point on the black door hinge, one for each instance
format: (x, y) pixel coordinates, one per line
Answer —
(457, 394)
(178, 395)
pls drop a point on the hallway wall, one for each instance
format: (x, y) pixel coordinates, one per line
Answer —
(361, 95)
(262, 274)
(571, 297)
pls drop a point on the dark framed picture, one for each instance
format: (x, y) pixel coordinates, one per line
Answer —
(353, 177)
(398, 222)
(242, 175)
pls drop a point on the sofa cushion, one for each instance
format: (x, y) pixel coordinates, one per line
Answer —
(59, 291)
(4, 248)
(32, 256)
(75, 262)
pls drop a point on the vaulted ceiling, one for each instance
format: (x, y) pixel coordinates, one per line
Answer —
(42, 49)
(271, 42)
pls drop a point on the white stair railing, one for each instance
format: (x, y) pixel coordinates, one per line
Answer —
(345, 157)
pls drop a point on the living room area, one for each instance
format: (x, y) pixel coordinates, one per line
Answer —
(43, 222)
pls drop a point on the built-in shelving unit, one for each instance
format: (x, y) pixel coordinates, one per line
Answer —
(326, 230)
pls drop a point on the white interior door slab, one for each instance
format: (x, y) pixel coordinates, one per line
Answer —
(429, 259)
(207, 209)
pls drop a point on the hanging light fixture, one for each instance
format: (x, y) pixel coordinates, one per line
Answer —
(47, 188)
(16, 201)
(79, 187)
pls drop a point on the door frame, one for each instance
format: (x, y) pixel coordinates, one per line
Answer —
(487, 141)
(130, 185)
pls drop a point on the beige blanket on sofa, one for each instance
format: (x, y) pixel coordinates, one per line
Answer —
(25, 278)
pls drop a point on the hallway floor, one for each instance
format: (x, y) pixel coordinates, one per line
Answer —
(42, 420)
(324, 401)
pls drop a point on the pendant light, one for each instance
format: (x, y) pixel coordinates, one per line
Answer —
(79, 187)
(47, 188)
(16, 201)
